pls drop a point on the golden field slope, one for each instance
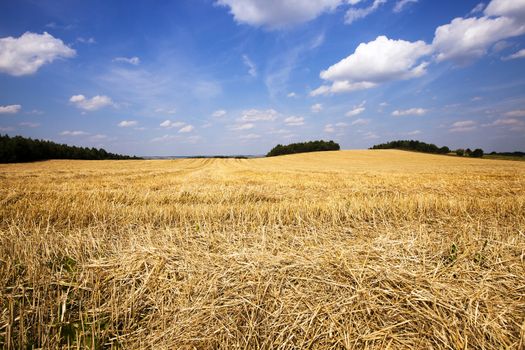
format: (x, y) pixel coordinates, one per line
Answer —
(349, 249)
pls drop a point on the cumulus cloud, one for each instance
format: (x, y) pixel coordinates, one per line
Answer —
(292, 94)
(507, 8)
(401, 4)
(316, 108)
(219, 113)
(254, 115)
(519, 54)
(10, 109)
(463, 125)
(73, 133)
(252, 68)
(91, 104)
(465, 39)
(356, 110)
(411, 111)
(26, 54)
(127, 123)
(294, 121)
(275, 14)
(354, 14)
(187, 128)
(168, 124)
(376, 62)
(130, 60)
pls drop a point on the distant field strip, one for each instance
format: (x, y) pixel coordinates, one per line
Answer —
(349, 249)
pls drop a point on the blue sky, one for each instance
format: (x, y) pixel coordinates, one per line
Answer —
(239, 76)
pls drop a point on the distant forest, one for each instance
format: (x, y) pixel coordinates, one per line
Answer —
(302, 147)
(21, 149)
(419, 146)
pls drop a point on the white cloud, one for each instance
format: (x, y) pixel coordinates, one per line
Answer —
(354, 14)
(507, 8)
(356, 110)
(292, 94)
(171, 124)
(329, 128)
(517, 113)
(91, 104)
(219, 113)
(10, 109)
(463, 126)
(411, 111)
(341, 124)
(401, 4)
(249, 137)
(519, 54)
(131, 60)
(252, 68)
(378, 61)
(245, 126)
(294, 121)
(360, 121)
(187, 128)
(277, 13)
(465, 39)
(127, 123)
(26, 54)
(477, 9)
(73, 133)
(253, 115)
(6, 128)
(414, 132)
(29, 124)
(316, 108)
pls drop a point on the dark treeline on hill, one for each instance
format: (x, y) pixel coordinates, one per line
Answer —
(413, 145)
(21, 149)
(302, 147)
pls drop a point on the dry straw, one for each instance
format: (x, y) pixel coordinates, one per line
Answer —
(353, 249)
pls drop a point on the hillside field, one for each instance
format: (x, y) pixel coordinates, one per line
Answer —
(335, 250)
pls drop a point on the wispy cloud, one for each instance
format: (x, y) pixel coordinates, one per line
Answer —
(252, 68)
(130, 60)
(127, 123)
(10, 109)
(411, 111)
(91, 104)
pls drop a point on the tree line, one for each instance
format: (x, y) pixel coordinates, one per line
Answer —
(419, 146)
(302, 147)
(21, 149)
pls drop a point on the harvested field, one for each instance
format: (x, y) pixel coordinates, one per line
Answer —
(349, 249)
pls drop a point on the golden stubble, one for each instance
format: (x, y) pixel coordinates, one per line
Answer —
(349, 249)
